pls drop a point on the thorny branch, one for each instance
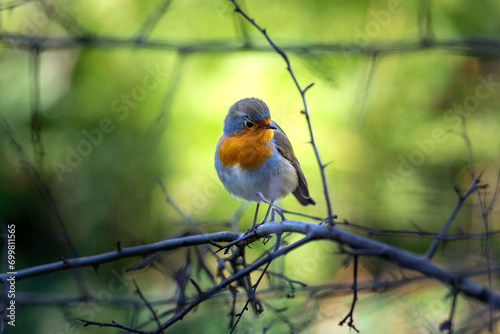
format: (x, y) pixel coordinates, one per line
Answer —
(354, 287)
(402, 258)
(253, 288)
(485, 212)
(43, 190)
(146, 302)
(461, 199)
(305, 111)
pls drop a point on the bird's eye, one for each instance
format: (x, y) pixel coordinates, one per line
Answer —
(249, 124)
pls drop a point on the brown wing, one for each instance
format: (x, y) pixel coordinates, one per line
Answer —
(286, 150)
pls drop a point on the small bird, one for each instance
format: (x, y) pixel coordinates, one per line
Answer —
(254, 155)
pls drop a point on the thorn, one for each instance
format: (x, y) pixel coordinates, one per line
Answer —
(213, 243)
(323, 166)
(118, 245)
(309, 86)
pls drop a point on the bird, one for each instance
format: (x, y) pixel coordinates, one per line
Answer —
(254, 156)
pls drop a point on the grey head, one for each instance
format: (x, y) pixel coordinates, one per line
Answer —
(249, 109)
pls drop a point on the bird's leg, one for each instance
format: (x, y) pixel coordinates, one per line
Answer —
(256, 214)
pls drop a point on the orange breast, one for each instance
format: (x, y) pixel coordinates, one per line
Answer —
(249, 150)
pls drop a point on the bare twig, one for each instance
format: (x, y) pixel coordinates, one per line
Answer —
(305, 111)
(152, 20)
(484, 46)
(46, 195)
(67, 21)
(253, 289)
(200, 298)
(316, 291)
(291, 282)
(485, 212)
(400, 257)
(448, 324)
(125, 252)
(435, 243)
(36, 116)
(111, 324)
(362, 93)
(173, 204)
(146, 302)
(354, 288)
(420, 233)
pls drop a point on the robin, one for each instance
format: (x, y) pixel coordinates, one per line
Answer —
(254, 155)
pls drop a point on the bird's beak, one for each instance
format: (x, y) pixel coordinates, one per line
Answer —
(270, 126)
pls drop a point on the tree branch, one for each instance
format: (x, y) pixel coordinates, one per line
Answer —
(397, 256)
(302, 92)
(462, 197)
(123, 252)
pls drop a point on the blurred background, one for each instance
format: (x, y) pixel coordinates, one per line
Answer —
(100, 99)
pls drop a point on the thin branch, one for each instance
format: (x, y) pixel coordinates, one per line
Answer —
(361, 97)
(173, 204)
(354, 288)
(448, 324)
(496, 193)
(253, 289)
(157, 127)
(112, 324)
(68, 22)
(484, 215)
(304, 102)
(468, 146)
(291, 282)
(152, 20)
(316, 291)
(435, 243)
(45, 193)
(124, 252)
(400, 257)
(468, 45)
(146, 302)
(420, 233)
(425, 22)
(207, 294)
(196, 286)
(36, 117)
